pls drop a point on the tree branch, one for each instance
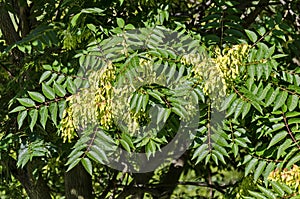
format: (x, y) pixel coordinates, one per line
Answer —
(253, 15)
(7, 70)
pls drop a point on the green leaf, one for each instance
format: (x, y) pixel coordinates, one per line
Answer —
(279, 56)
(155, 95)
(233, 107)
(221, 149)
(61, 107)
(202, 155)
(271, 51)
(264, 92)
(277, 138)
(95, 10)
(21, 116)
(139, 103)
(219, 156)
(281, 149)
(268, 69)
(239, 109)
(266, 192)
(271, 96)
(160, 114)
(178, 112)
(125, 145)
(53, 108)
(268, 170)
(145, 101)
(48, 91)
(36, 96)
(260, 168)
(23, 157)
(227, 102)
(241, 142)
(250, 166)
(73, 164)
(293, 160)
(133, 101)
(246, 109)
(256, 195)
(277, 188)
(129, 26)
(120, 22)
(47, 67)
(34, 115)
(219, 140)
(251, 35)
(71, 87)
(199, 150)
(286, 188)
(251, 71)
(127, 139)
(259, 70)
(74, 19)
(44, 76)
(167, 114)
(18, 109)
(235, 149)
(98, 155)
(280, 100)
(43, 116)
(101, 135)
(59, 90)
(292, 102)
(292, 114)
(150, 148)
(26, 102)
(87, 165)
(201, 95)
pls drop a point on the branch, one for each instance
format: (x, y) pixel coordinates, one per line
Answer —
(153, 189)
(219, 188)
(7, 70)
(253, 15)
(289, 130)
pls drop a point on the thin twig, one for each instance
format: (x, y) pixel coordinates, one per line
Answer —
(289, 130)
(7, 70)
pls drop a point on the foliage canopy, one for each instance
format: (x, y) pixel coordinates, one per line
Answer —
(66, 66)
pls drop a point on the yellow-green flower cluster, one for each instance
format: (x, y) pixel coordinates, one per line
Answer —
(230, 60)
(92, 105)
(218, 73)
(290, 177)
(208, 74)
(67, 128)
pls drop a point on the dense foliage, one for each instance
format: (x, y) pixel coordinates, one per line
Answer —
(82, 82)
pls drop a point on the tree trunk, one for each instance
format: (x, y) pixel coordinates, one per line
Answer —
(78, 184)
(35, 189)
(7, 28)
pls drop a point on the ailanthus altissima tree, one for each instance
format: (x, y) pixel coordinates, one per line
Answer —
(90, 85)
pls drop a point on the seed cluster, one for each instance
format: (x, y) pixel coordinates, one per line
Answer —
(92, 105)
(290, 177)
